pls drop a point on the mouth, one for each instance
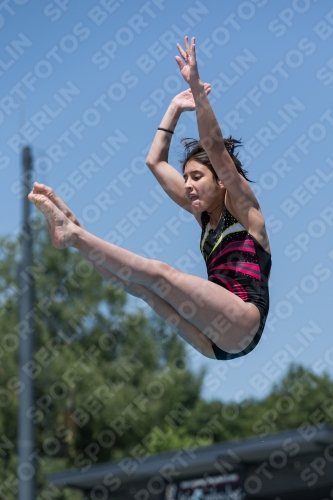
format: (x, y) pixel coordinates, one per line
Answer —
(193, 197)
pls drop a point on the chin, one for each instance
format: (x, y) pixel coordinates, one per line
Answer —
(197, 208)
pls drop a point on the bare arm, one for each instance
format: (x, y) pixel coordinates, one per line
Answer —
(209, 130)
(240, 197)
(157, 160)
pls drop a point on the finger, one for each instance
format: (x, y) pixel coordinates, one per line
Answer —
(38, 185)
(181, 51)
(31, 197)
(179, 62)
(41, 188)
(186, 43)
(38, 188)
(193, 48)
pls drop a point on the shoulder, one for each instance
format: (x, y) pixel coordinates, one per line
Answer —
(243, 206)
(248, 213)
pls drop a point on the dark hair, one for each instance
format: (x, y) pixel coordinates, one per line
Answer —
(195, 151)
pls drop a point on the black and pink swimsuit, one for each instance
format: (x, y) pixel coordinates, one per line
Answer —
(236, 261)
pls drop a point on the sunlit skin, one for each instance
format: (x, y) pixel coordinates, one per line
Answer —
(190, 304)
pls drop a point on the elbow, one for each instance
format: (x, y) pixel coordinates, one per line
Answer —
(149, 161)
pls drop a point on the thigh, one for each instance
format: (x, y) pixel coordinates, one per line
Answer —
(218, 313)
(184, 328)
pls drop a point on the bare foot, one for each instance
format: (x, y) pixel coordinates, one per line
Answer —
(58, 202)
(60, 227)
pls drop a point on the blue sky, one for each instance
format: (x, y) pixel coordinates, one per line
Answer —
(86, 86)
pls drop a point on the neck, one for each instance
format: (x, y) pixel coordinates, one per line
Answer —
(215, 215)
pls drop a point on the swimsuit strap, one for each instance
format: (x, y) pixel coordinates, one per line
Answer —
(204, 219)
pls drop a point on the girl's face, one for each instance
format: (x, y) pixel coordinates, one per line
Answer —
(201, 188)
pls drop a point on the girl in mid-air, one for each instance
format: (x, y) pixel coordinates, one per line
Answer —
(222, 317)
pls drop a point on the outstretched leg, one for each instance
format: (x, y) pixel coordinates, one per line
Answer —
(184, 328)
(210, 308)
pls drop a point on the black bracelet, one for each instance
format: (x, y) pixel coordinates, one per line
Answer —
(165, 130)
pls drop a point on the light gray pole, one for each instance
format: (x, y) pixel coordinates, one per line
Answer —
(26, 445)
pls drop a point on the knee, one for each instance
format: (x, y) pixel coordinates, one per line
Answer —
(162, 277)
(160, 269)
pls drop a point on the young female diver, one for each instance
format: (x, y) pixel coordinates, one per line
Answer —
(222, 317)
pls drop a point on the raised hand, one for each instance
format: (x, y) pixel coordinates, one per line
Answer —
(187, 63)
(185, 100)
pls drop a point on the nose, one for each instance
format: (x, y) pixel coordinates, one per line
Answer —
(188, 184)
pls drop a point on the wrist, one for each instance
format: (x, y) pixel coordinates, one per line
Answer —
(175, 109)
(197, 86)
(170, 119)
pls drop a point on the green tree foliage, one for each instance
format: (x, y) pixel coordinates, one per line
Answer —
(111, 380)
(107, 376)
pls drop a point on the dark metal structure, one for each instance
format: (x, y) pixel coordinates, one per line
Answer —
(26, 446)
(286, 466)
